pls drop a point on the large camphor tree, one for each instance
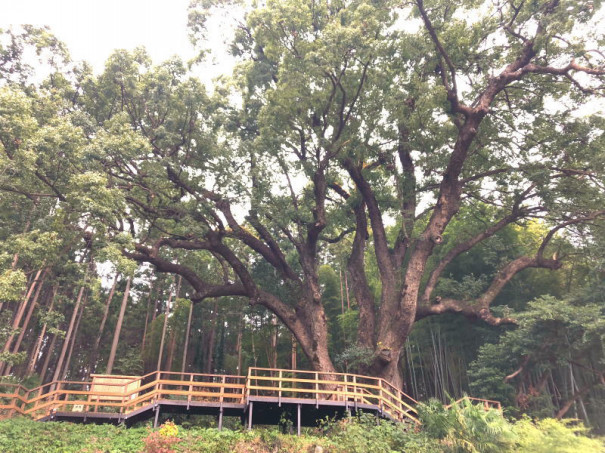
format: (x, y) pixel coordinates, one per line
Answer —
(361, 126)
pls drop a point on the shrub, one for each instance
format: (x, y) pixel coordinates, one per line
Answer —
(163, 440)
(465, 427)
(550, 435)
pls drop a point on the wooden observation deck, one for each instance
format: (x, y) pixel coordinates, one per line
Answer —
(261, 397)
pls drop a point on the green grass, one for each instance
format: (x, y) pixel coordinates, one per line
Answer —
(463, 428)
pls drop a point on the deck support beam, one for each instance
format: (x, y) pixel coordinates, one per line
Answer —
(157, 416)
(220, 419)
(250, 407)
(298, 419)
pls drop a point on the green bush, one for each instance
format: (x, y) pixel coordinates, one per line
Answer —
(367, 433)
(466, 427)
(462, 428)
(550, 435)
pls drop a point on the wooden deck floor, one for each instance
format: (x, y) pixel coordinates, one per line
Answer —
(261, 397)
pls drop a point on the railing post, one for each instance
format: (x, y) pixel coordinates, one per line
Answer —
(316, 392)
(248, 383)
(380, 396)
(346, 393)
(222, 394)
(190, 390)
(279, 392)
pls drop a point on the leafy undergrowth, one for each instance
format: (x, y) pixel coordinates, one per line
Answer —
(463, 428)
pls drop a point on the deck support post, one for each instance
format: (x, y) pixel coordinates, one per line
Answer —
(157, 416)
(220, 419)
(298, 419)
(250, 407)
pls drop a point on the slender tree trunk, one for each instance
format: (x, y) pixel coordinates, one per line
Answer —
(342, 299)
(166, 313)
(73, 341)
(347, 292)
(573, 398)
(19, 315)
(273, 347)
(48, 355)
(25, 326)
(171, 347)
(92, 364)
(238, 345)
(147, 318)
(118, 330)
(211, 339)
(68, 335)
(34, 356)
(294, 348)
(187, 333)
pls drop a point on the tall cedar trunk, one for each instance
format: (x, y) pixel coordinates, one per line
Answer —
(25, 326)
(73, 342)
(92, 364)
(171, 347)
(36, 351)
(118, 330)
(68, 335)
(166, 313)
(147, 318)
(19, 315)
(211, 339)
(273, 345)
(48, 355)
(238, 344)
(187, 333)
(294, 348)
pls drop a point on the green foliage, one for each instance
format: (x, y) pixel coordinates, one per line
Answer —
(550, 435)
(466, 427)
(464, 431)
(27, 436)
(367, 433)
(552, 333)
(12, 285)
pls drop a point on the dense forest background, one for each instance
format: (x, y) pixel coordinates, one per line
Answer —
(147, 222)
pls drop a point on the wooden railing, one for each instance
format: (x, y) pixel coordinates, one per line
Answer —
(71, 396)
(12, 399)
(162, 387)
(352, 389)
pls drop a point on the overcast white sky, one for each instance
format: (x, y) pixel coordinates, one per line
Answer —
(92, 29)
